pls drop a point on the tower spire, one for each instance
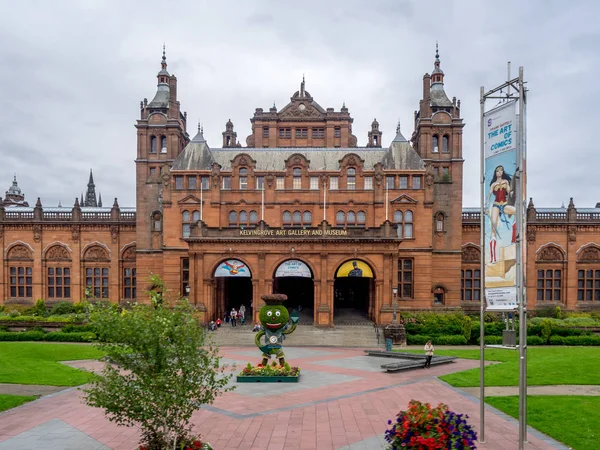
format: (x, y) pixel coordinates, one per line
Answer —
(163, 63)
(90, 193)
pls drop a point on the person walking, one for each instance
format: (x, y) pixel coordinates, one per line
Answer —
(233, 317)
(429, 353)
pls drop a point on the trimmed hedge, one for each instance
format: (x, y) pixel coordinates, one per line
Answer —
(419, 339)
(74, 328)
(575, 340)
(55, 336)
(50, 319)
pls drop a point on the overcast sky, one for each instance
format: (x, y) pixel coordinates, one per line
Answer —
(73, 74)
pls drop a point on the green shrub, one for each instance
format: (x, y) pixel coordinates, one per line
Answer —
(62, 308)
(558, 313)
(491, 340)
(39, 309)
(582, 340)
(57, 336)
(14, 313)
(450, 340)
(466, 326)
(73, 328)
(22, 336)
(557, 340)
(80, 307)
(535, 340)
(416, 339)
(546, 331)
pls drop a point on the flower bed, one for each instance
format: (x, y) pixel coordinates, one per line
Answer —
(269, 374)
(422, 427)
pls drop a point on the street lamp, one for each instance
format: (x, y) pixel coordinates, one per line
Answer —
(187, 291)
(395, 292)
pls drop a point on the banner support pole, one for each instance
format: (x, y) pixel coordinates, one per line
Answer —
(482, 274)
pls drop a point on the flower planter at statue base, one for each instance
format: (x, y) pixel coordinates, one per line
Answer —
(267, 379)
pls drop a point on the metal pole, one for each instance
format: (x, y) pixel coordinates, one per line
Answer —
(520, 288)
(395, 305)
(324, 201)
(482, 273)
(262, 202)
(201, 193)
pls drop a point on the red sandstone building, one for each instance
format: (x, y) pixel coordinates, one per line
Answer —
(300, 210)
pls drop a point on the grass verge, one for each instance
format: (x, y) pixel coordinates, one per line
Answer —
(37, 363)
(10, 401)
(556, 417)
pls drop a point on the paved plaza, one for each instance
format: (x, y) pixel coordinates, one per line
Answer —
(343, 401)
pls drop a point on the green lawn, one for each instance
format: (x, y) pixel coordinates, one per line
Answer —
(572, 420)
(37, 363)
(545, 366)
(10, 401)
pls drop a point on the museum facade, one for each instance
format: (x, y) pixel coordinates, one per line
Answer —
(300, 210)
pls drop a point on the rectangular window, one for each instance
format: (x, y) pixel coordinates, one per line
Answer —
(96, 278)
(205, 183)
(333, 183)
(226, 183)
(266, 132)
(280, 183)
(260, 183)
(186, 230)
(403, 182)
(436, 171)
(152, 171)
(314, 183)
(368, 183)
(549, 285)
(288, 133)
(297, 183)
(337, 132)
(351, 182)
(416, 182)
(185, 276)
(21, 282)
(243, 183)
(318, 133)
(405, 278)
(588, 285)
(129, 290)
(59, 282)
(446, 172)
(389, 182)
(470, 285)
(191, 182)
(178, 182)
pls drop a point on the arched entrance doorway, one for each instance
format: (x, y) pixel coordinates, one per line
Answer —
(353, 292)
(295, 279)
(233, 287)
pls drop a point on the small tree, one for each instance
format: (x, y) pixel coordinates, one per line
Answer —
(159, 369)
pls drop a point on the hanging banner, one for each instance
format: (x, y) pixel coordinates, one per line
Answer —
(293, 268)
(500, 150)
(354, 268)
(232, 268)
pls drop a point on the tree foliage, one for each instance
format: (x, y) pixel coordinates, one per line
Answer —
(159, 370)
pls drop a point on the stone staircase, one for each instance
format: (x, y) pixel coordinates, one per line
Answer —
(362, 336)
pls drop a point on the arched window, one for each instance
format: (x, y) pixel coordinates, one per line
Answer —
(340, 218)
(297, 178)
(185, 223)
(58, 271)
(439, 295)
(405, 223)
(445, 144)
(434, 144)
(397, 216)
(351, 179)
(253, 217)
(361, 218)
(129, 274)
(96, 261)
(156, 221)
(243, 217)
(297, 218)
(232, 218)
(439, 222)
(20, 270)
(351, 219)
(163, 144)
(307, 218)
(287, 218)
(195, 216)
(153, 144)
(243, 178)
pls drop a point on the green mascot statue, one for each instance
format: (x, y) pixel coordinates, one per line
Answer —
(275, 321)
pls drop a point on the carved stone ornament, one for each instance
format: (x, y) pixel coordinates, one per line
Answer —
(297, 160)
(165, 173)
(550, 254)
(352, 141)
(572, 234)
(129, 253)
(58, 253)
(243, 161)
(114, 233)
(295, 111)
(20, 252)
(530, 235)
(270, 178)
(471, 254)
(37, 233)
(352, 161)
(590, 254)
(96, 253)
(378, 174)
(429, 175)
(75, 233)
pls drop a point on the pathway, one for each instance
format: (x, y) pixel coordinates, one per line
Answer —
(342, 402)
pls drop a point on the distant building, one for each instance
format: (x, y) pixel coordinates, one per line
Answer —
(300, 210)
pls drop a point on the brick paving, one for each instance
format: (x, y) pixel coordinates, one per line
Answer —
(336, 405)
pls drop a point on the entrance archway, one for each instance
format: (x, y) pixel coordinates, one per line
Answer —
(353, 292)
(295, 279)
(233, 287)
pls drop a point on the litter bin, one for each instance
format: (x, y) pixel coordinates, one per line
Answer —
(388, 345)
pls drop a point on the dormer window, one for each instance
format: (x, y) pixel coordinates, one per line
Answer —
(297, 178)
(163, 144)
(351, 179)
(435, 144)
(243, 178)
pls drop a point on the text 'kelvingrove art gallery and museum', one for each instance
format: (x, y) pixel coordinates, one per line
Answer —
(299, 210)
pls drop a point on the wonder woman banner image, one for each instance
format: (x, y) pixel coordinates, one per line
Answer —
(499, 208)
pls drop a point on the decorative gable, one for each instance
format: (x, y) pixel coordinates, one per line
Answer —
(404, 200)
(189, 200)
